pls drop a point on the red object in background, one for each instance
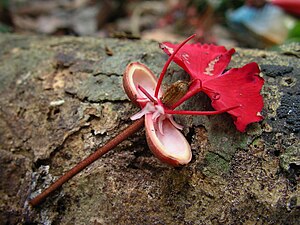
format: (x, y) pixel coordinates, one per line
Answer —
(292, 6)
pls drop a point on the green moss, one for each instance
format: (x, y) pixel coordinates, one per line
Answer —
(99, 88)
(224, 138)
(290, 157)
(215, 165)
(24, 62)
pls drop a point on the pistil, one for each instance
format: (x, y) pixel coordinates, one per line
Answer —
(164, 70)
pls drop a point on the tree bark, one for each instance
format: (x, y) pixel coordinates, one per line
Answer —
(62, 98)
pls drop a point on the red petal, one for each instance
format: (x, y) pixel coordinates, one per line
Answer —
(238, 87)
(200, 61)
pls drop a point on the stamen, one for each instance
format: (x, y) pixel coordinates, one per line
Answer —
(174, 123)
(160, 124)
(184, 112)
(145, 92)
(159, 110)
(149, 108)
(164, 70)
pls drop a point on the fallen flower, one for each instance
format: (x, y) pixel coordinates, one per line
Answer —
(144, 89)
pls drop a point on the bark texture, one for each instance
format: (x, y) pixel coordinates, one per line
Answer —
(61, 98)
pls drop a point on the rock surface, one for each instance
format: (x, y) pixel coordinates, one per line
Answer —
(60, 98)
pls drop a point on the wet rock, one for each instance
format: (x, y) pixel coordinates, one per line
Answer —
(289, 110)
(275, 70)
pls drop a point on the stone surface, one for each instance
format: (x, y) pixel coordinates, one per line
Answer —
(62, 97)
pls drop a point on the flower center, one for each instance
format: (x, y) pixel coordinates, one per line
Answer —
(157, 106)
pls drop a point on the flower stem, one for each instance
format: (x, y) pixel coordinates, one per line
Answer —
(187, 112)
(145, 92)
(89, 160)
(188, 95)
(164, 70)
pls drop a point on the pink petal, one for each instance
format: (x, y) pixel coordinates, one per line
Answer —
(137, 74)
(165, 141)
(170, 147)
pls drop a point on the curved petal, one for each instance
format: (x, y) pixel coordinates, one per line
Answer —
(138, 74)
(170, 147)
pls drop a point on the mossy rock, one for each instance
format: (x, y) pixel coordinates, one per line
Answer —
(62, 97)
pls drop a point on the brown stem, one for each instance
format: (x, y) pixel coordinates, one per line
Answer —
(89, 160)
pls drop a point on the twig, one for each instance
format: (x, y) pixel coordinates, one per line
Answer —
(89, 160)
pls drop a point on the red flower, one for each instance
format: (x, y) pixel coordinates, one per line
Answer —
(238, 87)
(227, 92)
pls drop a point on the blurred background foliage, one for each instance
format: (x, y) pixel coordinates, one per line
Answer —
(245, 23)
